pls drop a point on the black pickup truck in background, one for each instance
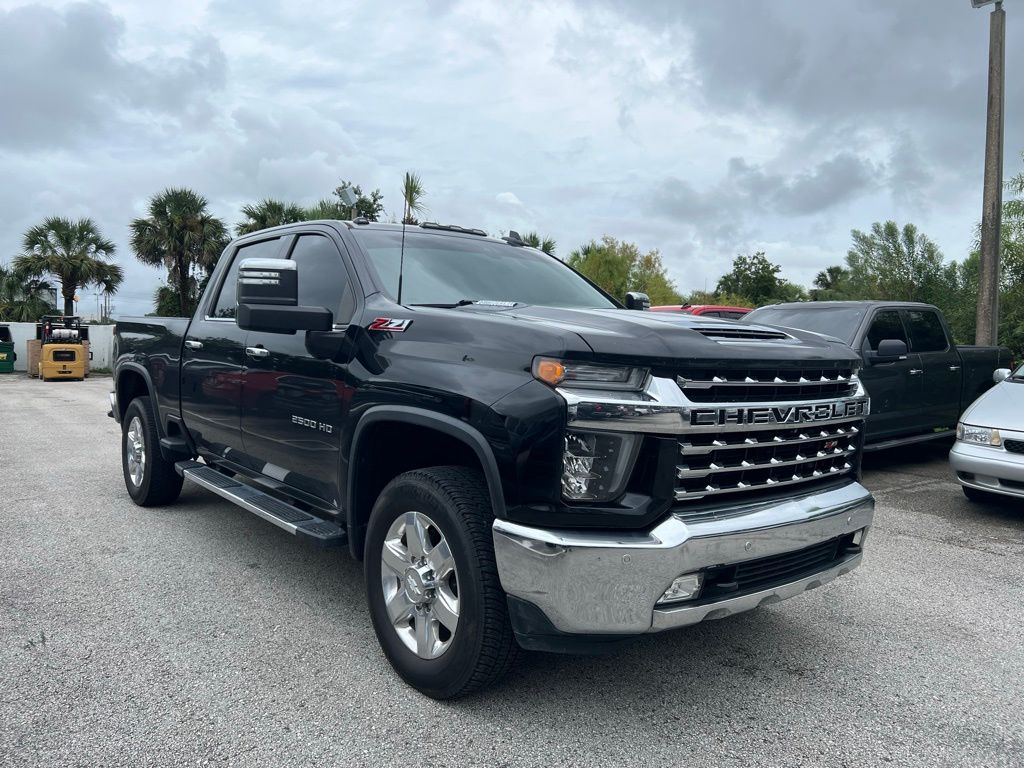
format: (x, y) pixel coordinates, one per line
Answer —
(517, 458)
(919, 381)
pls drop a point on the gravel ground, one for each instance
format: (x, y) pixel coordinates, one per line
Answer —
(199, 634)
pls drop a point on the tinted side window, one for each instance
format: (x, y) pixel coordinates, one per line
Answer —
(886, 325)
(733, 315)
(226, 305)
(323, 281)
(926, 331)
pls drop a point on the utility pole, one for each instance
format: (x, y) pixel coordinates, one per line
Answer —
(987, 328)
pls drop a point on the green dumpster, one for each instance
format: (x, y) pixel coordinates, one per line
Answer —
(7, 355)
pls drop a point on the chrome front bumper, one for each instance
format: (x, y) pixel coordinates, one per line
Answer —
(609, 583)
(988, 468)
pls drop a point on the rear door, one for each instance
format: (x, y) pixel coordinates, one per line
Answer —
(213, 359)
(894, 386)
(294, 403)
(940, 385)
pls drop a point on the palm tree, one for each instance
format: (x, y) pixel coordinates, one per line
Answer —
(413, 194)
(268, 213)
(546, 244)
(23, 300)
(74, 252)
(182, 235)
(326, 209)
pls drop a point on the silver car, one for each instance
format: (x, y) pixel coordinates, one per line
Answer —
(988, 456)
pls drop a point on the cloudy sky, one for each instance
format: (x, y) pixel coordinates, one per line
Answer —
(702, 129)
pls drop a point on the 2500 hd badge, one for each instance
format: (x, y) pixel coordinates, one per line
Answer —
(794, 414)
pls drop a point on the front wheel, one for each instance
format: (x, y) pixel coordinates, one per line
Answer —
(150, 479)
(432, 584)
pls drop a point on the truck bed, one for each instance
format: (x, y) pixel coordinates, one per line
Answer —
(155, 346)
(978, 365)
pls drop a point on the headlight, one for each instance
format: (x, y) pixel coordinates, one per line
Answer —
(588, 375)
(596, 465)
(978, 435)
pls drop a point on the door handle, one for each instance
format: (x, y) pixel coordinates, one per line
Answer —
(257, 352)
(954, 367)
(193, 344)
(916, 371)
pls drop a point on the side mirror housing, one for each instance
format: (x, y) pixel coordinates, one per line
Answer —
(268, 298)
(889, 350)
(1001, 375)
(637, 300)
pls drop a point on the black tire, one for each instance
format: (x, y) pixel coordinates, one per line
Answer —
(980, 496)
(483, 647)
(159, 483)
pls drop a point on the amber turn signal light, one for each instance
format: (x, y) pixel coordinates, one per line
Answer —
(549, 371)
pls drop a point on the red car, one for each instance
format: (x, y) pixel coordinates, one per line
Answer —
(708, 310)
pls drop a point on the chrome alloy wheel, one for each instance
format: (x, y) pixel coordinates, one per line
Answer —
(135, 451)
(421, 585)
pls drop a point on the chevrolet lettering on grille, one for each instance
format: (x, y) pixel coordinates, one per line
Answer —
(785, 414)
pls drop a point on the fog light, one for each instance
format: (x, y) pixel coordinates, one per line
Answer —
(595, 465)
(685, 587)
(858, 537)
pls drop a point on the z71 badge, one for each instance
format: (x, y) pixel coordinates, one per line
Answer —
(389, 324)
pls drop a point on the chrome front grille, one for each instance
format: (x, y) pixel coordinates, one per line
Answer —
(752, 462)
(758, 385)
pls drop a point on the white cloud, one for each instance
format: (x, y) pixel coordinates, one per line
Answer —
(684, 127)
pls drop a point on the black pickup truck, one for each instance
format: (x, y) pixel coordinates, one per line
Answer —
(918, 379)
(518, 459)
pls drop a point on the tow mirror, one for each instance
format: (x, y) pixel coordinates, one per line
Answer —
(1001, 375)
(268, 299)
(637, 300)
(889, 350)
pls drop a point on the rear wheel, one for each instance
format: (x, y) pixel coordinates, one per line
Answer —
(432, 584)
(148, 476)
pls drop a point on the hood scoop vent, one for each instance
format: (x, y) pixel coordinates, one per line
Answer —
(742, 334)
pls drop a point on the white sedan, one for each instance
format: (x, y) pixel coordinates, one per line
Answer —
(988, 456)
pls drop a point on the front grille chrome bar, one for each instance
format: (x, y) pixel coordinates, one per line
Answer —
(720, 381)
(742, 487)
(684, 472)
(756, 441)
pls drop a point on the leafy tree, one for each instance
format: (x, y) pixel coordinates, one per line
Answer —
(712, 297)
(73, 252)
(831, 284)
(371, 206)
(546, 244)
(619, 267)
(23, 300)
(182, 235)
(894, 264)
(757, 278)
(268, 213)
(413, 194)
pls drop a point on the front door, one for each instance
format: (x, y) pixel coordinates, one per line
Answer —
(213, 359)
(294, 403)
(894, 386)
(940, 383)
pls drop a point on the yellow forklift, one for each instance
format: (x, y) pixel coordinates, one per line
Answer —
(63, 352)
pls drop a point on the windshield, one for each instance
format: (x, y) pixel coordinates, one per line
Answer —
(441, 269)
(840, 322)
(1018, 374)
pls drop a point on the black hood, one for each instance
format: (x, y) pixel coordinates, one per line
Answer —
(663, 338)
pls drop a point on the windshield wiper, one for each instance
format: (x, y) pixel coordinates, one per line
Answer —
(459, 303)
(467, 302)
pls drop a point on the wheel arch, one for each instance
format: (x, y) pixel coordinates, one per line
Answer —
(362, 490)
(132, 381)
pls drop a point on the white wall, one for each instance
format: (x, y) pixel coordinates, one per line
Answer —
(101, 342)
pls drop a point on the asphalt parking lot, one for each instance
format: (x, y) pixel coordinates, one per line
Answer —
(199, 634)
